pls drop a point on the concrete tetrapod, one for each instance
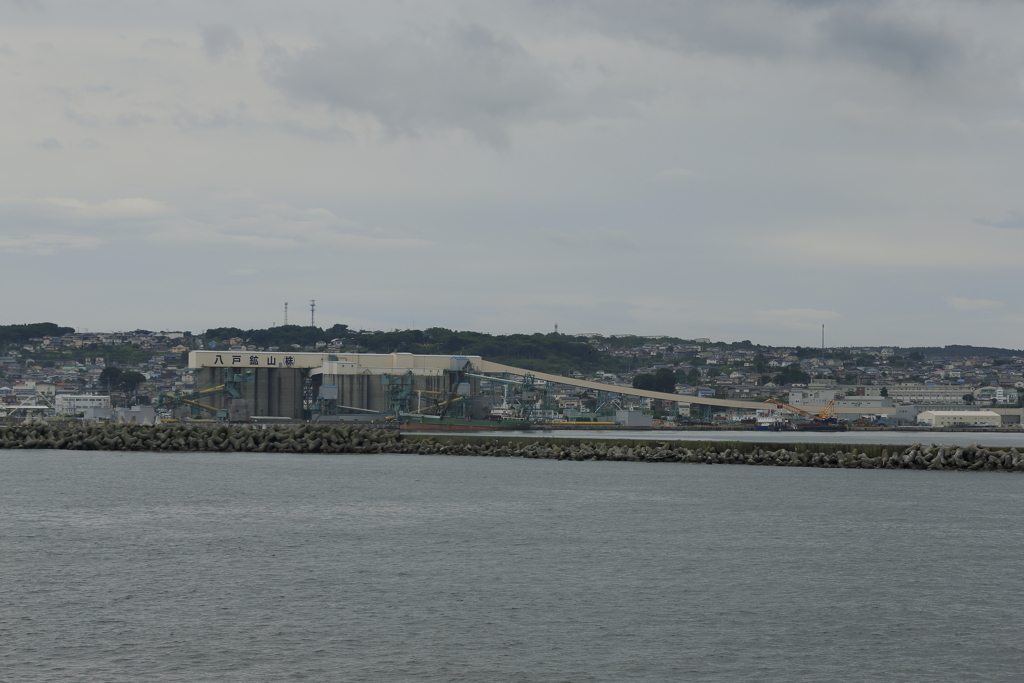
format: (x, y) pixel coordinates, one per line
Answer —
(313, 438)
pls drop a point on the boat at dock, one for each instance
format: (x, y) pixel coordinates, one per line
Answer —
(824, 426)
(418, 423)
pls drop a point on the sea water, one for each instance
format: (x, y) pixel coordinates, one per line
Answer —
(252, 567)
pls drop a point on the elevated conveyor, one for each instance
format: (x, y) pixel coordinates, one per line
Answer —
(488, 366)
(285, 391)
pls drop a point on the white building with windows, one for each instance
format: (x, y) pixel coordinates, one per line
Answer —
(928, 393)
(69, 404)
(997, 395)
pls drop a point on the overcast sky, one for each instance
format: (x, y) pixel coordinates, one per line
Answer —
(734, 170)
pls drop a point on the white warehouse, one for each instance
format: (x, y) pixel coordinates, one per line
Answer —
(959, 418)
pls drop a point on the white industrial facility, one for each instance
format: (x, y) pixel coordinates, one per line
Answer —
(959, 418)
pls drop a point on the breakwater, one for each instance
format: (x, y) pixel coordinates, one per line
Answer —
(308, 438)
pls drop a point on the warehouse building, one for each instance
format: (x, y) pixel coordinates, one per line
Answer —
(291, 385)
(959, 418)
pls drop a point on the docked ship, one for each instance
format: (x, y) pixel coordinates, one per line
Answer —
(414, 422)
(831, 425)
(771, 421)
(825, 421)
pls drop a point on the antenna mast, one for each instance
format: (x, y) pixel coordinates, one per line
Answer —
(286, 313)
(312, 312)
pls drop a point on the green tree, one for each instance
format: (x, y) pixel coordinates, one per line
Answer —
(131, 380)
(792, 374)
(969, 399)
(120, 380)
(690, 376)
(110, 377)
(805, 352)
(20, 334)
(760, 363)
(664, 380)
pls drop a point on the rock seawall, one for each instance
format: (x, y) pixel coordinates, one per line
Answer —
(308, 438)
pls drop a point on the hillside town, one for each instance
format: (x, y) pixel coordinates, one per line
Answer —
(76, 370)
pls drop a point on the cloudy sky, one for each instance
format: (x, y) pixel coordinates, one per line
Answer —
(748, 169)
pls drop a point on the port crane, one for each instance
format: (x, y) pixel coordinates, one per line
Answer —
(826, 416)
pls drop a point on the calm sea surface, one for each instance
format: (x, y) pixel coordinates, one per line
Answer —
(238, 567)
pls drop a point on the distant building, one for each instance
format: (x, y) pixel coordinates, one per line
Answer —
(928, 393)
(959, 418)
(997, 395)
(632, 418)
(141, 414)
(73, 404)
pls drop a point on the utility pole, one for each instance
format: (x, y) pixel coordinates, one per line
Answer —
(312, 312)
(286, 313)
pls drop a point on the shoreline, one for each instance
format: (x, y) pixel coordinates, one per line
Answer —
(334, 439)
(1013, 429)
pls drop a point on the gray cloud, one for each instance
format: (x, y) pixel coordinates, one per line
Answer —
(465, 78)
(1013, 220)
(160, 42)
(752, 27)
(868, 32)
(896, 44)
(134, 119)
(52, 225)
(49, 143)
(219, 40)
(326, 134)
(80, 118)
(599, 237)
(189, 120)
(843, 141)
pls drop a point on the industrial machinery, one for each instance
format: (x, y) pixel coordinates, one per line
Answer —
(460, 366)
(823, 421)
(827, 413)
(525, 405)
(230, 385)
(399, 390)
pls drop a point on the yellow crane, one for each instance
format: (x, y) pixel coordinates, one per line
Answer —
(436, 405)
(827, 413)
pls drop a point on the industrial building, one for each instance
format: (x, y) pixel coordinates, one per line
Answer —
(959, 418)
(242, 385)
(321, 385)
